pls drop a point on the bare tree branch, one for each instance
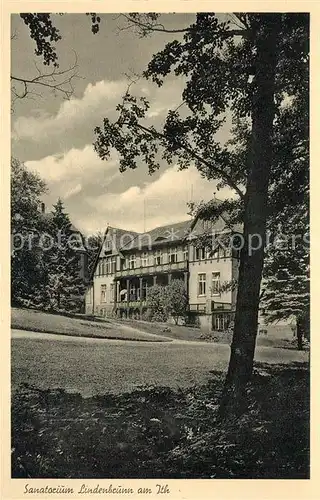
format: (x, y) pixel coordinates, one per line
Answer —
(57, 81)
(146, 26)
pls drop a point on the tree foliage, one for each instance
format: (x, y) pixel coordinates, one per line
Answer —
(59, 81)
(168, 300)
(249, 72)
(157, 303)
(45, 253)
(286, 285)
(254, 68)
(177, 299)
(27, 224)
(217, 62)
(65, 290)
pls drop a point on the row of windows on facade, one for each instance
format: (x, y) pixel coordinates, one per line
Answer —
(109, 265)
(215, 284)
(135, 291)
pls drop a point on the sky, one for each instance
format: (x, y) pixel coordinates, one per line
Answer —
(54, 137)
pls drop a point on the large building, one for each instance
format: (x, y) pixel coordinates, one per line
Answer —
(128, 263)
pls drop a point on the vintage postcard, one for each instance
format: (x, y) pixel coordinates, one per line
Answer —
(157, 169)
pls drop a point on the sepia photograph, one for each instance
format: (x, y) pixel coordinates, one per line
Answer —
(160, 293)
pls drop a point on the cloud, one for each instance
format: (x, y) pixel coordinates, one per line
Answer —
(163, 201)
(68, 174)
(41, 134)
(73, 191)
(57, 147)
(70, 113)
(95, 193)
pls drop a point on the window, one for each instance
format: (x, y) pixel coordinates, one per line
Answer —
(215, 284)
(108, 266)
(132, 293)
(219, 322)
(185, 253)
(100, 267)
(158, 258)
(222, 252)
(144, 290)
(132, 261)
(111, 292)
(215, 253)
(103, 293)
(113, 264)
(144, 260)
(202, 284)
(173, 255)
(206, 224)
(200, 253)
(107, 245)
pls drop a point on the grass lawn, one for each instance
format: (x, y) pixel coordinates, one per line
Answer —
(99, 408)
(96, 366)
(127, 329)
(164, 432)
(175, 332)
(38, 321)
(277, 336)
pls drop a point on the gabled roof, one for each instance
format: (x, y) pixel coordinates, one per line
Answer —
(175, 233)
(169, 233)
(121, 237)
(117, 235)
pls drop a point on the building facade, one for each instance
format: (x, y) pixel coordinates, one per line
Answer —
(129, 263)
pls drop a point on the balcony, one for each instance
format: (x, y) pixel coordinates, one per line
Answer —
(152, 270)
(135, 304)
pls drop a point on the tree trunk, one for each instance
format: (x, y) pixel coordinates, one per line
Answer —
(251, 261)
(303, 329)
(300, 334)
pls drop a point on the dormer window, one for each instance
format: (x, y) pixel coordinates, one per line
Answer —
(206, 224)
(107, 245)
